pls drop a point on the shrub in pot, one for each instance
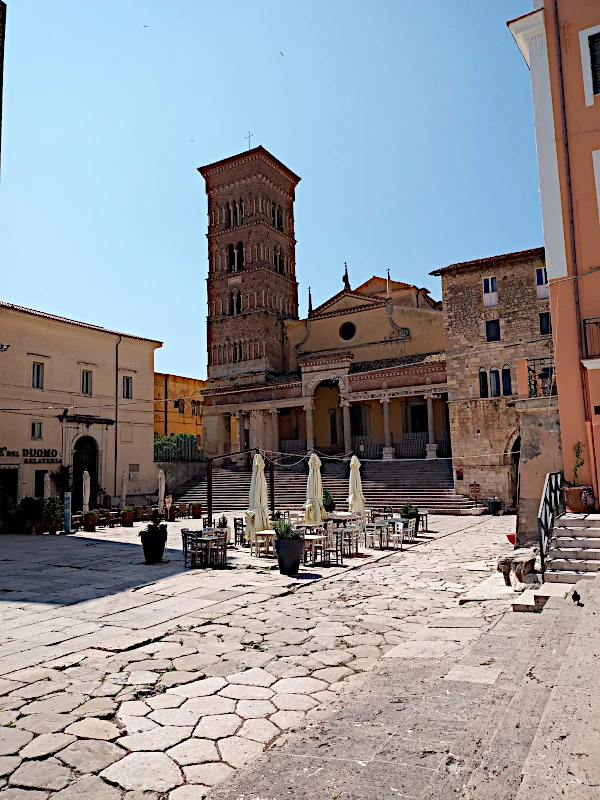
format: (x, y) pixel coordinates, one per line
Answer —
(127, 516)
(196, 510)
(578, 499)
(289, 546)
(328, 501)
(154, 539)
(409, 511)
(223, 526)
(53, 514)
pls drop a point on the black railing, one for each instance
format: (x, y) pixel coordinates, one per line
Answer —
(591, 336)
(177, 448)
(550, 505)
(541, 377)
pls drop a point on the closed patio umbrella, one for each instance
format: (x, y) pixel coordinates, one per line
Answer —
(161, 490)
(258, 502)
(123, 490)
(356, 499)
(46, 486)
(313, 508)
(86, 491)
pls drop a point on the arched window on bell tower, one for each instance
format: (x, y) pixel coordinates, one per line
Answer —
(231, 258)
(279, 218)
(238, 303)
(241, 211)
(234, 215)
(240, 257)
(228, 215)
(273, 215)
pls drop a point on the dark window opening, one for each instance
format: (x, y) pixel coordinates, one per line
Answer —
(418, 419)
(228, 215)
(494, 382)
(234, 215)
(483, 383)
(348, 331)
(279, 219)
(492, 330)
(545, 323)
(595, 61)
(238, 303)
(231, 258)
(240, 257)
(39, 482)
(506, 381)
(333, 426)
(356, 420)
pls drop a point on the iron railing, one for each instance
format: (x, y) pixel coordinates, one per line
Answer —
(550, 505)
(591, 336)
(541, 377)
(411, 445)
(292, 445)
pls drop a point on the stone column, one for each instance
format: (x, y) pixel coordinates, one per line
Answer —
(347, 426)
(274, 428)
(431, 447)
(388, 449)
(310, 430)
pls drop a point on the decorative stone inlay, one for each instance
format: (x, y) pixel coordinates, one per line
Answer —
(91, 755)
(92, 728)
(12, 740)
(217, 726)
(47, 744)
(194, 751)
(41, 775)
(154, 772)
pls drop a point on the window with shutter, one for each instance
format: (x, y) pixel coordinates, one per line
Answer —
(595, 61)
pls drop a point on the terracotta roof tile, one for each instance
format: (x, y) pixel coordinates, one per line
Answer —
(480, 262)
(416, 360)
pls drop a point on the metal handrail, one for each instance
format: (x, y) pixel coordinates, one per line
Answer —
(550, 505)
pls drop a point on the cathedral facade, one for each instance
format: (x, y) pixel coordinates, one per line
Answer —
(364, 372)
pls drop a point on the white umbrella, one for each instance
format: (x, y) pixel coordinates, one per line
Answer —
(313, 508)
(86, 491)
(258, 503)
(123, 490)
(356, 500)
(46, 486)
(161, 490)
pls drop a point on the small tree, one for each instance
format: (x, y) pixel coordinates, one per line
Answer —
(579, 462)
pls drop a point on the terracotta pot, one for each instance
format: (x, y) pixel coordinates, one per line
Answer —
(89, 523)
(171, 517)
(196, 512)
(127, 519)
(573, 501)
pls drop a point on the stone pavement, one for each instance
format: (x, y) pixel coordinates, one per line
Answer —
(123, 680)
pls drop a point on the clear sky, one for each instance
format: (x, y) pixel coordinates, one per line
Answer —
(409, 122)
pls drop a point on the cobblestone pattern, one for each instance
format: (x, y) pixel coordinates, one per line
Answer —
(113, 686)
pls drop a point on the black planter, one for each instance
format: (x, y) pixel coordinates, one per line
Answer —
(154, 547)
(289, 555)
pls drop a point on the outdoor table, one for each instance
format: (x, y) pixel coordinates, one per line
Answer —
(383, 525)
(269, 539)
(313, 539)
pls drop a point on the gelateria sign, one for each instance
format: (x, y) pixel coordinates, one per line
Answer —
(32, 455)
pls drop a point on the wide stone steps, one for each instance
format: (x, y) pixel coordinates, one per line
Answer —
(574, 549)
(388, 487)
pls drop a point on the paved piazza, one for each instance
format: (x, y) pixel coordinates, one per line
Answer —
(121, 680)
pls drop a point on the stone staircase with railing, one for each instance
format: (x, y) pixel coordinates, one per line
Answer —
(427, 484)
(574, 549)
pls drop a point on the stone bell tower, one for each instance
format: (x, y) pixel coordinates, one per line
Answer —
(252, 287)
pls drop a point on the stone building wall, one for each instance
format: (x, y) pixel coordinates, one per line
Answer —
(485, 430)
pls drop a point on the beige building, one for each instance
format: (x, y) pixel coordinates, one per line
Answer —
(77, 395)
(178, 405)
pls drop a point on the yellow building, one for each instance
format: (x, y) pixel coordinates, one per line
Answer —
(178, 405)
(78, 395)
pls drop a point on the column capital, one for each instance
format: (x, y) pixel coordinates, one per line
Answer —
(273, 411)
(385, 399)
(344, 403)
(309, 406)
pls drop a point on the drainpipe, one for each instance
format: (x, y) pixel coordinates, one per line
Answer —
(566, 153)
(166, 404)
(116, 409)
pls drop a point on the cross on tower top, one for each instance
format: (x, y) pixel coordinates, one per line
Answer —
(249, 137)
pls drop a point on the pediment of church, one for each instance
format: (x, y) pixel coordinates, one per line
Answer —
(344, 301)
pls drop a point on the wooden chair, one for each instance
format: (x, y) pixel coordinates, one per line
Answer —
(197, 550)
(397, 537)
(238, 531)
(423, 519)
(333, 552)
(370, 535)
(139, 513)
(411, 530)
(183, 510)
(217, 551)
(257, 543)
(350, 540)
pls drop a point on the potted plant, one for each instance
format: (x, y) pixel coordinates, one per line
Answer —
(127, 516)
(30, 515)
(223, 526)
(89, 521)
(328, 501)
(154, 538)
(196, 510)
(289, 546)
(409, 511)
(578, 499)
(53, 514)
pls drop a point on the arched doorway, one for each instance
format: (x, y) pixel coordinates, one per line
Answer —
(329, 436)
(85, 456)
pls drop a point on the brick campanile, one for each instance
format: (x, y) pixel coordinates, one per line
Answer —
(252, 285)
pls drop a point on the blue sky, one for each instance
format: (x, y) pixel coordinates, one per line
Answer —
(409, 122)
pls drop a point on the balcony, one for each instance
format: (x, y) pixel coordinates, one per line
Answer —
(490, 299)
(541, 377)
(543, 292)
(591, 337)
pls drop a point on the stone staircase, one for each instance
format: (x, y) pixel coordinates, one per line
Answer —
(427, 484)
(574, 549)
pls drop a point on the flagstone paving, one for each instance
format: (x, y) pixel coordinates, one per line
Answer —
(121, 680)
